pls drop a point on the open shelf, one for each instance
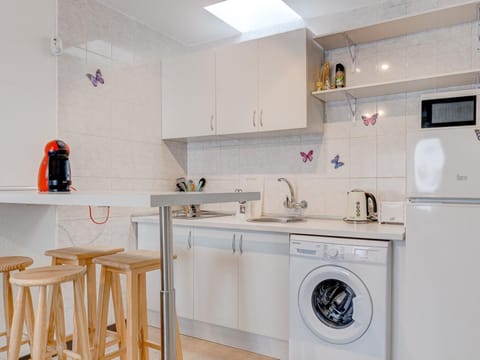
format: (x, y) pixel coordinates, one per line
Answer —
(401, 86)
(447, 16)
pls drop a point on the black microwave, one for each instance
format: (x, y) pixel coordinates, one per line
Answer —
(449, 109)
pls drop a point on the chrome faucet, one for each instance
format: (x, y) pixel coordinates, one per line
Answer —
(291, 202)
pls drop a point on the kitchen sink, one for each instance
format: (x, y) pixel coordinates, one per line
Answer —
(276, 219)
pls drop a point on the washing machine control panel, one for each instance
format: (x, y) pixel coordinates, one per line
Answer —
(336, 252)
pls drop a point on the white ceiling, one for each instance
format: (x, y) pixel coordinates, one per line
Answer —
(188, 23)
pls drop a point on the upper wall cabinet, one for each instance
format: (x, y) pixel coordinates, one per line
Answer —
(28, 93)
(260, 85)
(188, 107)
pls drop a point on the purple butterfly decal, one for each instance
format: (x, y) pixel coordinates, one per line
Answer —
(477, 132)
(308, 156)
(336, 161)
(372, 120)
(97, 78)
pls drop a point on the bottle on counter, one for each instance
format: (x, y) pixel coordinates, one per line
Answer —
(339, 76)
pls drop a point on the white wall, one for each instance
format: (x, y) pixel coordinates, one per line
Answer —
(114, 130)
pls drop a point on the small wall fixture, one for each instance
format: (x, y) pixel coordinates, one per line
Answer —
(56, 46)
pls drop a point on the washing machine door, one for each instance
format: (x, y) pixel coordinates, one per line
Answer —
(335, 304)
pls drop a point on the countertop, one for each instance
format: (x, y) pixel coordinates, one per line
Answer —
(330, 227)
(127, 198)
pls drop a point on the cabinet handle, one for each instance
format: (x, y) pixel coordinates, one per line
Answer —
(233, 244)
(241, 244)
(211, 123)
(253, 118)
(189, 240)
(261, 118)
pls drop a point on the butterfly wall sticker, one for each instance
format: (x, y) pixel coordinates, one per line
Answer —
(97, 78)
(336, 162)
(372, 120)
(307, 156)
(477, 133)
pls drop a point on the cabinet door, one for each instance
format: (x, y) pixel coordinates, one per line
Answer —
(188, 94)
(183, 240)
(216, 278)
(263, 284)
(148, 239)
(237, 88)
(283, 81)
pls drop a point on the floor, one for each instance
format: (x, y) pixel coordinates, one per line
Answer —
(196, 349)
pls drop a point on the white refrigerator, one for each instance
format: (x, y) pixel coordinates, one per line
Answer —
(443, 245)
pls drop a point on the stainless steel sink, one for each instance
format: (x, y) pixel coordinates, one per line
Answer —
(276, 219)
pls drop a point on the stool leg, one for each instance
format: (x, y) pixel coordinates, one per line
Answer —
(59, 323)
(81, 320)
(41, 326)
(132, 314)
(119, 313)
(91, 299)
(179, 344)
(51, 318)
(17, 326)
(7, 304)
(29, 316)
(103, 301)
(142, 294)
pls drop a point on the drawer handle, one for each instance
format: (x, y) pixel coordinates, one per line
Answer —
(261, 118)
(241, 244)
(189, 241)
(233, 244)
(211, 122)
(253, 118)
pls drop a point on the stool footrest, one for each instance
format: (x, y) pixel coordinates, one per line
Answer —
(72, 355)
(153, 345)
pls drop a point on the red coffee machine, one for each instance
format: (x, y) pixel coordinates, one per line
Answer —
(54, 174)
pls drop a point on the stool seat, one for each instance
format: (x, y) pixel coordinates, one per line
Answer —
(11, 263)
(132, 260)
(76, 253)
(49, 329)
(47, 275)
(132, 340)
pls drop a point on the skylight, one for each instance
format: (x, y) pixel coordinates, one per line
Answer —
(251, 15)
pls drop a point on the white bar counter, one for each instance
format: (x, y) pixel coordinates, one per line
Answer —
(163, 201)
(130, 199)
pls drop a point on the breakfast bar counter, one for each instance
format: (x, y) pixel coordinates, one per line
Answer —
(164, 201)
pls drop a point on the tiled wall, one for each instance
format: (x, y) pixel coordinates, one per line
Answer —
(114, 130)
(374, 156)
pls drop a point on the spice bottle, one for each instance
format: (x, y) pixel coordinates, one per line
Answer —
(339, 76)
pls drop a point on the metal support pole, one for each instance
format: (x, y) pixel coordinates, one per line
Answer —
(167, 291)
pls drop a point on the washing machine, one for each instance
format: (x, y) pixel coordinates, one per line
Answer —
(340, 298)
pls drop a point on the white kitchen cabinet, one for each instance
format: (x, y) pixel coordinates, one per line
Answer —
(283, 86)
(260, 85)
(188, 95)
(148, 235)
(216, 278)
(263, 266)
(230, 278)
(265, 85)
(28, 94)
(237, 88)
(241, 280)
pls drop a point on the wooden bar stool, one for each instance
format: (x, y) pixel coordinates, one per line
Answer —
(49, 278)
(133, 343)
(7, 265)
(83, 256)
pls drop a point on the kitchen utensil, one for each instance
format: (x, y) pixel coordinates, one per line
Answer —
(54, 174)
(201, 184)
(190, 185)
(357, 205)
